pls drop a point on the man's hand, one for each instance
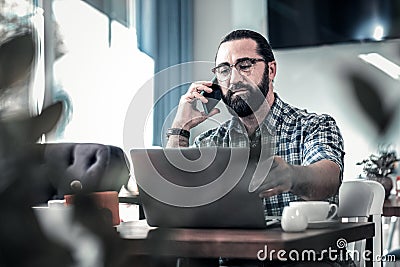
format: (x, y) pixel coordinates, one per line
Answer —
(278, 180)
(188, 116)
(317, 181)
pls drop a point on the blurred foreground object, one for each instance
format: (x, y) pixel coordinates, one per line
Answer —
(19, 56)
(25, 179)
(371, 102)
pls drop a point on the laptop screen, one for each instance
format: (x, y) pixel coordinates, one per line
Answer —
(198, 187)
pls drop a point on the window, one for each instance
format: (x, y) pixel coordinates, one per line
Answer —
(100, 73)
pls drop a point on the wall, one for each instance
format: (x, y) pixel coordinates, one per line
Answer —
(316, 79)
(213, 19)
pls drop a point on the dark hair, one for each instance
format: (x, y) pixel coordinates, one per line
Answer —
(263, 47)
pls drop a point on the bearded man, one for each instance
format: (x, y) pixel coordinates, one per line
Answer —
(307, 148)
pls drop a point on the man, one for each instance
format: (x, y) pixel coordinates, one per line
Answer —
(308, 148)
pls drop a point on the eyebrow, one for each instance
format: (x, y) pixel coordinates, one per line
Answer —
(237, 61)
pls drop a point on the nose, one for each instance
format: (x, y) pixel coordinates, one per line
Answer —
(235, 76)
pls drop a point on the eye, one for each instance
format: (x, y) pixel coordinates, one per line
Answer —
(223, 70)
(245, 65)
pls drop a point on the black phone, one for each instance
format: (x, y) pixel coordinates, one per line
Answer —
(214, 97)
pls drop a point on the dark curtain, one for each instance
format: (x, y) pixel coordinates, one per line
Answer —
(165, 33)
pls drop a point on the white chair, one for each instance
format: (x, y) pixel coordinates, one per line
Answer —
(360, 200)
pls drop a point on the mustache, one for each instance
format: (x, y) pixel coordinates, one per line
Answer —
(228, 97)
(238, 86)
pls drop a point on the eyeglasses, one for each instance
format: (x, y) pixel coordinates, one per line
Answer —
(244, 67)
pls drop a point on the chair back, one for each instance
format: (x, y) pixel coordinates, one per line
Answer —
(96, 167)
(379, 197)
(355, 199)
(359, 201)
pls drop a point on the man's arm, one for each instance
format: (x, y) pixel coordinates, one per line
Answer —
(316, 181)
(177, 141)
(320, 175)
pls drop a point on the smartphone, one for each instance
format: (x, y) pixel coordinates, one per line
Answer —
(213, 98)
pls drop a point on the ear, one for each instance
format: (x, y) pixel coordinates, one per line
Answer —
(46, 121)
(271, 70)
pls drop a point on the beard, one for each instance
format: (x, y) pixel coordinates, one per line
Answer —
(244, 105)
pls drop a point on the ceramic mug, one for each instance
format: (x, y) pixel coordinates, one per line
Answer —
(105, 200)
(293, 220)
(55, 222)
(316, 210)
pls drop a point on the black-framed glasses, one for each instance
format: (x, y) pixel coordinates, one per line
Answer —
(244, 66)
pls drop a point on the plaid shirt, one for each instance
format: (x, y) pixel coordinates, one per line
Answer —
(300, 138)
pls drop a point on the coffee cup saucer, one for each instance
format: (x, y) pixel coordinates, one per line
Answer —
(322, 224)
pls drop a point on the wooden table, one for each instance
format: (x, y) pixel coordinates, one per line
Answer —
(245, 244)
(391, 207)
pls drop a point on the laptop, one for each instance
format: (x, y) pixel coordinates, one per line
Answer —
(198, 187)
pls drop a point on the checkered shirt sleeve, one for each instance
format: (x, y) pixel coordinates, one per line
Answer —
(323, 141)
(299, 137)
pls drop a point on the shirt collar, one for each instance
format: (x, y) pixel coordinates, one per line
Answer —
(271, 122)
(273, 119)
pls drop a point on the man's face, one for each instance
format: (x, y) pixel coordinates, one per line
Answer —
(244, 94)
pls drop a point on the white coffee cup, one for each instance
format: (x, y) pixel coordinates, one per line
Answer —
(293, 220)
(316, 210)
(56, 222)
